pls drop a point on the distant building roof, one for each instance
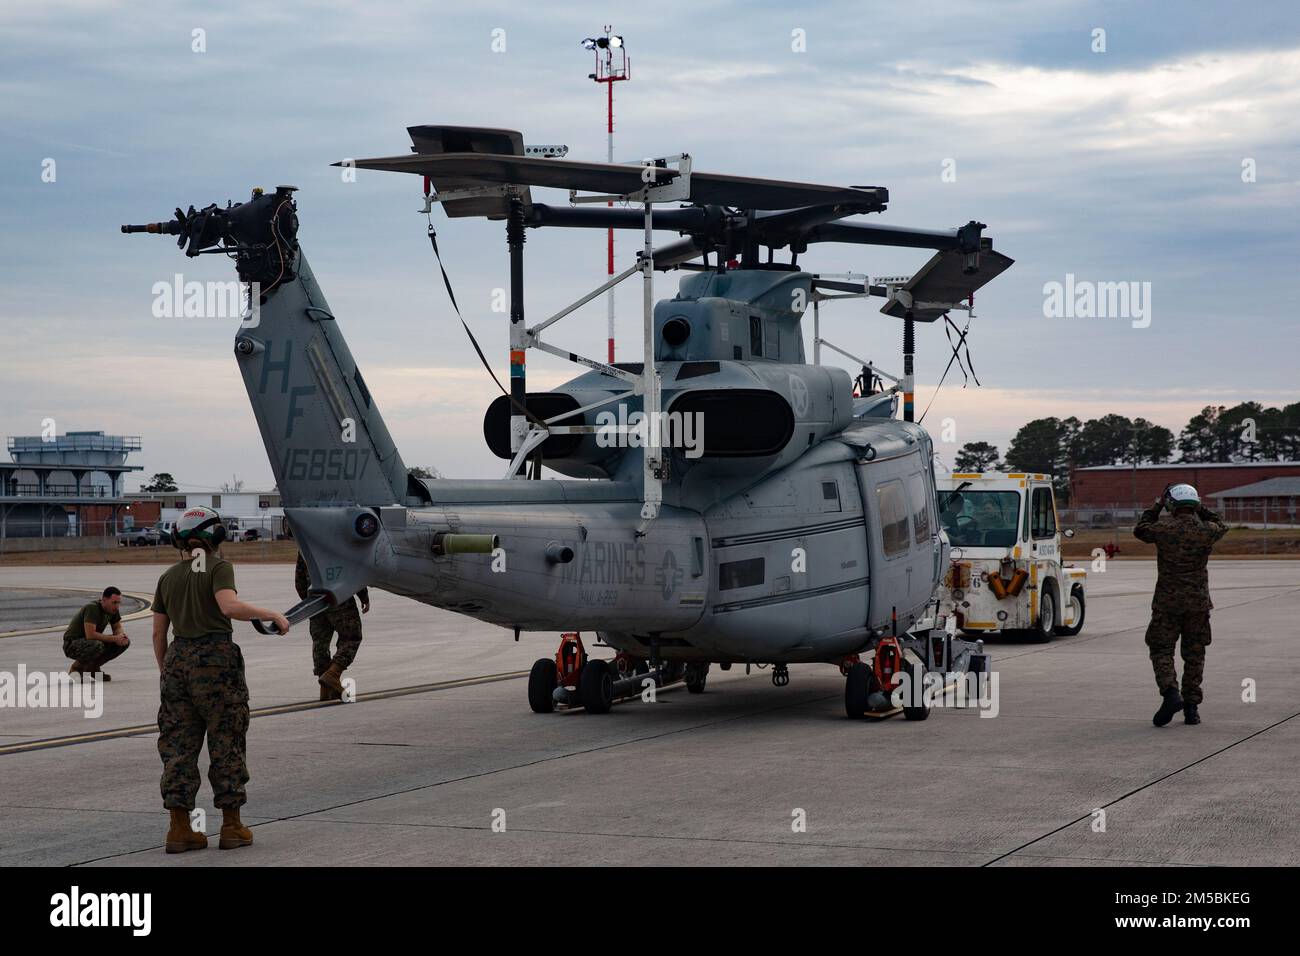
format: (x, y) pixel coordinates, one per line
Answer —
(1195, 464)
(1272, 488)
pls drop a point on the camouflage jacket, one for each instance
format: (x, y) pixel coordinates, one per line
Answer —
(302, 583)
(1183, 545)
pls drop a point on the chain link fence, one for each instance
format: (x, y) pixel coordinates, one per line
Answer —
(60, 532)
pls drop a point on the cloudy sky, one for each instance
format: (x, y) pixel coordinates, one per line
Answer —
(1117, 166)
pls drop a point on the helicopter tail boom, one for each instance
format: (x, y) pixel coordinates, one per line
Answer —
(325, 438)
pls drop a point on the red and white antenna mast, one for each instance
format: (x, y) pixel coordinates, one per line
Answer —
(611, 66)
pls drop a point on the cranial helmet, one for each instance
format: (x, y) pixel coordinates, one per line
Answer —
(1182, 496)
(202, 523)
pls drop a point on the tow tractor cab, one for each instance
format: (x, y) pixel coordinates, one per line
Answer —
(1005, 572)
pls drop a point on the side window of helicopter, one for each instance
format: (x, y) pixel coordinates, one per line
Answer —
(919, 494)
(755, 336)
(740, 574)
(891, 502)
(772, 340)
(1044, 518)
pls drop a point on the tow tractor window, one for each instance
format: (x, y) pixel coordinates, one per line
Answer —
(987, 519)
(1043, 519)
(892, 504)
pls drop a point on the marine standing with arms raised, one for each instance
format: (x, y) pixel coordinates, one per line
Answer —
(202, 687)
(1181, 603)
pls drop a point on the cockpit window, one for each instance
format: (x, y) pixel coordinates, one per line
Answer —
(988, 519)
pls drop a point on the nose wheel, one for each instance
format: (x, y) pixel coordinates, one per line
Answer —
(780, 675)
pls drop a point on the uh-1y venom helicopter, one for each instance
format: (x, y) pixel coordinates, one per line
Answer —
(801, 527)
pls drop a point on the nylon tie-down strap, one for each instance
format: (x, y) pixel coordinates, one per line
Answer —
(433, 240)
(956, 356)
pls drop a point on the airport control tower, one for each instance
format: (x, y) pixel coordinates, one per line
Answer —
(62, 485)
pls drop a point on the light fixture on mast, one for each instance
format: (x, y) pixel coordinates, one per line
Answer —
(611, 66)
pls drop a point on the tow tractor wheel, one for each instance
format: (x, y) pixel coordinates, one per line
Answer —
(921, 711)
(1042, 630)
(857, 687)
(1077, 603)
(596, 687)
(696, 675)
(541, 686)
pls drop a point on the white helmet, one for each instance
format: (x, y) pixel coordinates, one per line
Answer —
(1181, 496)
(199, 522)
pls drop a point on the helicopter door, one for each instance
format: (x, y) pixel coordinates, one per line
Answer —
(925, 538)
(889, 535)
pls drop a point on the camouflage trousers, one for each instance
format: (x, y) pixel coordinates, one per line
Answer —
(204, 694)
(1163, 634)
(347, 621)
(90, 653)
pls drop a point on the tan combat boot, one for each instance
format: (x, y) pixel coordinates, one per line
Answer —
(331, 679)
(233, 833)
(326, 693)
(181, 836)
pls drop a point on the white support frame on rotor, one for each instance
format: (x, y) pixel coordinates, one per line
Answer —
(647, 383)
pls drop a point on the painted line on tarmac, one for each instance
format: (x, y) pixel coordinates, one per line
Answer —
(1137, 790)
(120, 732)
(145, 599)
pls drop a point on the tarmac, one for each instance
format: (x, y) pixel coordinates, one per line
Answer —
(440, 761)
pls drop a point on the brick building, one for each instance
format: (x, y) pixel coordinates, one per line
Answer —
(1122, 488)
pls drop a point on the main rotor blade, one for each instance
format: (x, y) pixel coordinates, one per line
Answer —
(945, 279)
(686, 219)
(674, 254)
(620, 179)
(964, 239)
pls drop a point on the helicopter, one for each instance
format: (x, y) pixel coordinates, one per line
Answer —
(723, 501)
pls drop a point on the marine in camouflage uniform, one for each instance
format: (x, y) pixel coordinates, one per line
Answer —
(202, 690)
(1181, 604)
(104, 618)
(343, 619)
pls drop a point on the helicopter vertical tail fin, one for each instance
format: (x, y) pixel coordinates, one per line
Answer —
(327, 443)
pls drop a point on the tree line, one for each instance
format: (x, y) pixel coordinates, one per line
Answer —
(1245, 432)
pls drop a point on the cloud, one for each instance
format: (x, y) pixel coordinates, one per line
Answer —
(1117, 166)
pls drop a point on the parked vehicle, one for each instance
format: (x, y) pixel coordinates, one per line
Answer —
(139, 537)
(1005, 569)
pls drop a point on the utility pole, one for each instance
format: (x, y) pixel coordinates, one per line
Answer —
(611, 66)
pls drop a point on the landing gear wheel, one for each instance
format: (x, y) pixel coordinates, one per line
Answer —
(857, 687)
(541, 686)
(922, 711)
(1041, 632)
(780, 675)
(1077, 602)
(696, 675)
(596, 687)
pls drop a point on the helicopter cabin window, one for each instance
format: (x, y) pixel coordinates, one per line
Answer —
(891, 502)
(1043, 522)
(771, 340)
(919, 495)
(755, 336)
(740, 574)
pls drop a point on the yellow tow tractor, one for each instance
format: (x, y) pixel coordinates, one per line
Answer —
(1005, 573)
